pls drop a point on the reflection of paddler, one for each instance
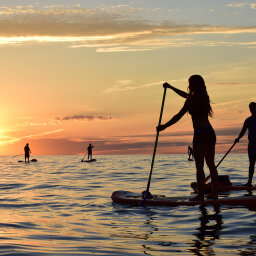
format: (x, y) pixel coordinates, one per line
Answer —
(89, 149)
(27, 152)
(210, 226)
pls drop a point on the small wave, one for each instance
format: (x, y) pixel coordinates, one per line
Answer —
(57, 237)
(11, 186)
(20, 205)
(24, 225)
(42, 186)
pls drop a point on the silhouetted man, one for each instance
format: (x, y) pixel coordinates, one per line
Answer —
(89, 149)
(250, 124)
(27, 152)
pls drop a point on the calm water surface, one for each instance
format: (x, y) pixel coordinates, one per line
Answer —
(60, 206)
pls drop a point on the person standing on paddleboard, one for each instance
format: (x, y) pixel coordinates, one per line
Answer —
(27, 152)
(250, 125)
(197, 104)
(89, 149)
(190, 153)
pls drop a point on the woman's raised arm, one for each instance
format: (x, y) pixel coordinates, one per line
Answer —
(178, 91)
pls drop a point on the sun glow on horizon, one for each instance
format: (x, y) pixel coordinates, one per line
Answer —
(92, 71)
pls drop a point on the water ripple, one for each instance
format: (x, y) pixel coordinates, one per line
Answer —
(60, 206)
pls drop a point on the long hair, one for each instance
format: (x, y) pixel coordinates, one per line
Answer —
(198, 89)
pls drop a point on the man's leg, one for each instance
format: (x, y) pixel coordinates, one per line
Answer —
(252, 160)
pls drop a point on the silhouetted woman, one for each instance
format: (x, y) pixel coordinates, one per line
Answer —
(197, 104)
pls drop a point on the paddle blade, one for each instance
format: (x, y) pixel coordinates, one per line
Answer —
(147, 195)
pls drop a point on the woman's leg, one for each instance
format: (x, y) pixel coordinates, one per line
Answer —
(209, 153)
(199, 161)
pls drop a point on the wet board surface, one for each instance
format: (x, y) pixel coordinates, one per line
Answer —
(89, 161)
(127, 197)
(225, 188)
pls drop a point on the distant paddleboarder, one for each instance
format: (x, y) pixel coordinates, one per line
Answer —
(190, 153)
(250, 125)
(27, 152)
(89, 149)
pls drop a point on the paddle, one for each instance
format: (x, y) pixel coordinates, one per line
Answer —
(83, 158)
(146, 193)
(208, 177)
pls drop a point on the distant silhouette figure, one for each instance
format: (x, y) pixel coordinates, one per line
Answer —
(197, 104)
(190, 153)
(27, 152)
(250, 125)
(89, 149)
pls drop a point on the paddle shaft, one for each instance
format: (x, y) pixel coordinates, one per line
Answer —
(83, 158)
(207, 178)
(156, 141)
(225, 154)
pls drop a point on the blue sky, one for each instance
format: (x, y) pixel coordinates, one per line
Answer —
(218, 12)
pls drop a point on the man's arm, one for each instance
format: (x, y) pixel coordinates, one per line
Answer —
(245, 127)
(178, 91)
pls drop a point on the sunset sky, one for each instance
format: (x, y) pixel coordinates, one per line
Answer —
(91, 71)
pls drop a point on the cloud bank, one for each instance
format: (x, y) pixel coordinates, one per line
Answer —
(171, 142)
(116, 29)
(83, 118)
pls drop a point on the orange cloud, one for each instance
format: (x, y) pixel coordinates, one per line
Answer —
(83, 118)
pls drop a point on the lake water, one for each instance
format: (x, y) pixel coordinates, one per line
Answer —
(61, 206)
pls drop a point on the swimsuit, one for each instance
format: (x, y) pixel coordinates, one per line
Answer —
(205, 135)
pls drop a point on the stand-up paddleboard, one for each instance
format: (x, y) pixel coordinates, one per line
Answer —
(88, 161)
(224, 185)
(32, 160)
(127, 197)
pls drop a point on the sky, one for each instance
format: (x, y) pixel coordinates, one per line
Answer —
(91, 71)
